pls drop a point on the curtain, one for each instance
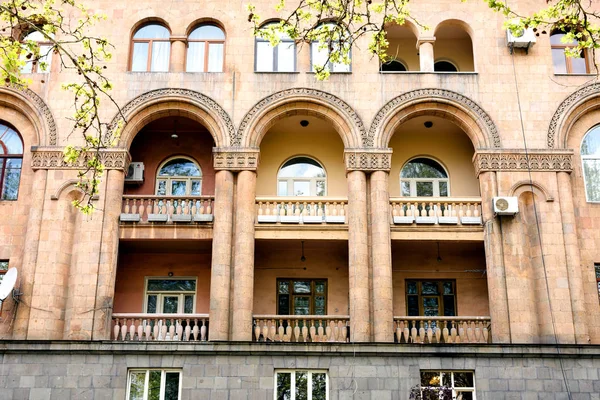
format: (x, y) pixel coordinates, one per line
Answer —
(215, 57)
(161, 52)
(195, 57)
(264, 57)
(139, 61)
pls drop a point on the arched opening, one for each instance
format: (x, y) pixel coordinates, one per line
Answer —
(590, 158)
(41, 63)
(301, 176)
(281, 58)
(320, 56)
(424, 177)
(179, 176)
(206, 49)
(150, 49)
(454, 47)
(402, 51)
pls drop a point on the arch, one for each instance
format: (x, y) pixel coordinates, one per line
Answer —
(148, 21)
(270, 109)
(528, 186)
(204, 21)
(456, 22)
(569, 111)
(70, 184)
(436, 182)
(461, 110)
(160, 103)
(27, 103)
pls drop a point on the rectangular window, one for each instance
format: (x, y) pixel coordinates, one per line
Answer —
(430, 298)
(154, 384)
(302, 297)
(301, 385)
(447, 384)
(597, 270)
(3, 268)
(170, 295)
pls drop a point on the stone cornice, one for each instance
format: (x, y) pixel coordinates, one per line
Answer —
(53, 158)
(235, 159)
(519, 160)
(368, 159)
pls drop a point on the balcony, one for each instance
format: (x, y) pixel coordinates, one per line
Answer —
(301, 328)
(160, 327)
(442, 330)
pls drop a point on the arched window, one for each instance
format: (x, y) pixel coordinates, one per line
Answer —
(151, 49)
(424, 177)
(319, 56)
(43, 62)
(393, 66)
(301, 176)
(444, 66)
(562, 63)
(11, 160)
(206, 47)
(281, 58)
(590, 156)
(179, 176)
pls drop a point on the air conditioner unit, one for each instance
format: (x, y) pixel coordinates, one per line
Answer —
(525, 38)
(135, 173)
(506, 205)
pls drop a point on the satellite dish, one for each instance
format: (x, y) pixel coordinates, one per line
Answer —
(8, 284)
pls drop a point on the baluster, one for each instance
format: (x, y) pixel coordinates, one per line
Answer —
(445, 332)
(304, 330)
(486, 332)
(272, 330)
(260, 209)
(290, 209)
(461, 332)
(195, 330)
(469, 211)
(406, 332)
(438, 331)
(134, 206)
(461, 210)
(327, 210)
(288, 331)
(179, 330)
(116, 329)
(296, 331)
(209, 206)
(194, 207)
(394, 207)
(422, 332)
(142, 209)
(140, 330)
(204, 331)
(297, 209)
(257, 330)
(132, 330)
(476, 210)
(320, 331)
(304, 209)
(147, 330)
(453, 333)
(265, 330)
(429, 331)
(126, 207)
(124, 329)
(280, 331)
(413, 332)
(187, 331)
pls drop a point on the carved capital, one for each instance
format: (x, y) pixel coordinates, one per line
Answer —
(53, 158)
(235, 159)
(368, 159)
(519, 160)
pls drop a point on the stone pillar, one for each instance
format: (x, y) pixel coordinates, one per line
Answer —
(358, 257)
(221, 257)
(178, 49)
(426, 56)
(381, 258)
(243, 261)
(573, 257)
(496, 277)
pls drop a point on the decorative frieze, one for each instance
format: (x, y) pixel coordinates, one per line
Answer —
(368, 160)
(53, 158)
(235, 159)
(519, 160)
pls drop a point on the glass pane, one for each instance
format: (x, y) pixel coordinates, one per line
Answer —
(152, 31)
(318, 56)
(559, 61)
(413, 306)
(215, 57)
(425, 189)
(591, 172)
(341, 67)
(151, 304)
(430, 378)
(284, 304)
(405, 189)
(301, 188)
(4, 266)
(264, 56)
(301, 385)
(301, 286)
(154, 385)
(170, 304)
(172, 386)
(596, 268)
(448, 288)
(447, 378)
(320, 286)
(13, 143)
(284, 287)
(463, 379)
(178, 188)
(319, 305)
(443, 189)
(591, 143)
(286, 53)
(161, 52)
(12, 177)
(411, 287)
(319, 386)
(166, 285)
(139, 61)
(282, 188)
(429, 288)
(188, 305)
(423, 168)
(556, 38)
(301, 167)
(449, 309)
(320, 188)
(301, 305)
(136, 388)
(460, 395)
(284, 386)
(196, 188)
(195, 57)
(180, 167)
(431, 306)
(162, 188)
(578, 65)
(207, 32)
(45, 57)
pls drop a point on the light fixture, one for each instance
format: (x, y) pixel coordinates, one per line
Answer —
(174, 135)
(428, 124)
(170, 274)
(439, 258)
(304, 123)
(303, 258)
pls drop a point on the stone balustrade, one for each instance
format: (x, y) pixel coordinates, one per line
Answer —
(301, 210)
(436, 211)
(156, 209)
(151, 327)
(446, 330)
(301, 328)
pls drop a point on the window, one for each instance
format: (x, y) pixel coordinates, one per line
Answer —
(206, 49)
(459, 385)
(444, 66)
(424, 177)
(430, 298)
(151, 49)
(43, 62)
(170, 295)
(3, 268)
(590, 157)
(319, 54)
(301, 385)
(562, 63)
(11, 160)
(393, 66)
(596, 269)
(154, 384)
(301, 296)
(301, 176)
(281, 58)
(179, 177)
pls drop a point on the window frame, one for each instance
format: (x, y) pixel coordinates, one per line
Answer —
(293, 381)
(290, 180)
(163, 377)
(597, 273)
(150, 47)
(293, 295)
(440, 283)
(275, 53)
(330, 64)
(583, 160)
(34, 63)
(169, 179)
(207, 43)
(470, 389)
(568, 60)
(2, 270)
(161, 294)
(5, 157)
(435, 181)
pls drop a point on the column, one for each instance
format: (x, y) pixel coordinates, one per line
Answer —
(573, 257)
(178, 49)
(496, 278)
(381, 258)
(243, 261)
(426, 56)
(221, 256)
(358, 257)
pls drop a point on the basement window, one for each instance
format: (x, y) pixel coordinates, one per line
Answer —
(459, 385)
(301, 385)
(154, 384)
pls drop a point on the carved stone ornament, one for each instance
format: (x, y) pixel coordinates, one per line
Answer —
(565, 106)
(41, 106)
(368, 160)
(518, 160)
(430, 95)
(53, 158)
(236, 159)
(335, 102)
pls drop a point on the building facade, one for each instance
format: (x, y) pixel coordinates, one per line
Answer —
(260, 234)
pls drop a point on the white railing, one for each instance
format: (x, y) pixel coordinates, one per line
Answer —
(436, 210)
(301, 210)
(167, 209)
(167, 327)
(442, 329)
(301, 328)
